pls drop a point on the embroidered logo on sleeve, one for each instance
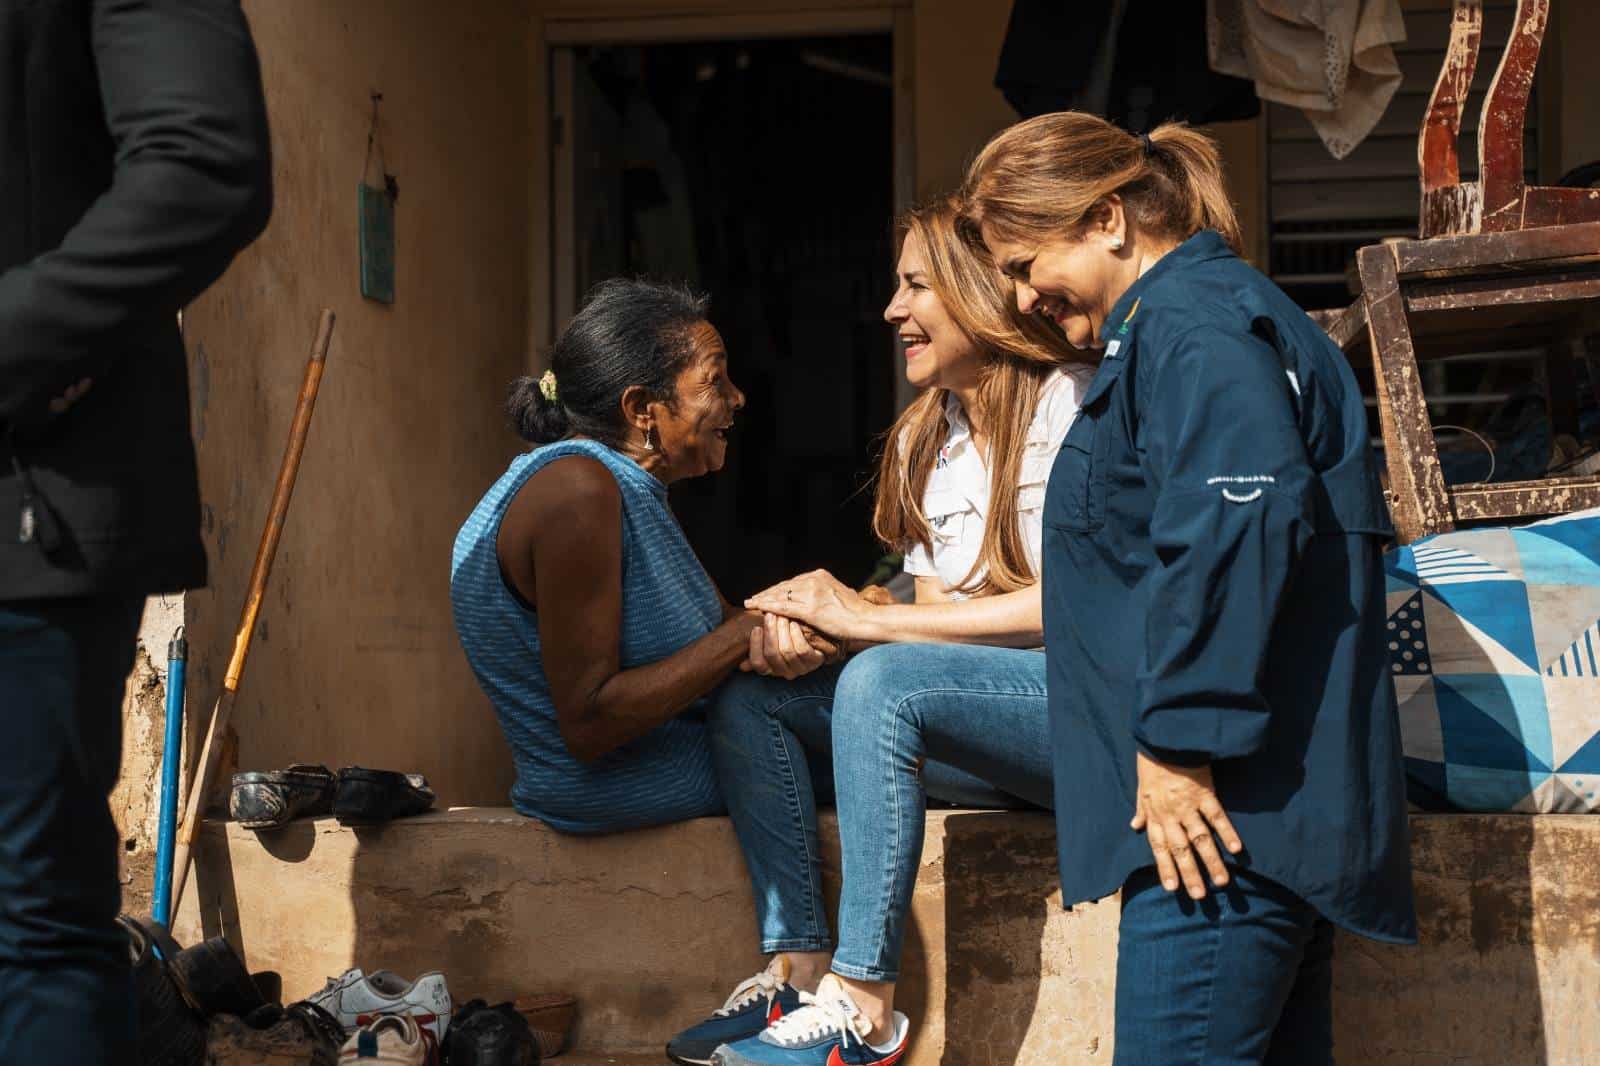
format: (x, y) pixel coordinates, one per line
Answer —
(1242, 495)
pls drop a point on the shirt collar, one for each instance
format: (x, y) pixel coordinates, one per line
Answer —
(955, 416)
(1207, 244)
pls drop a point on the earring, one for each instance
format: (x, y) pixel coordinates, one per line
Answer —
(1116, 244)
(649, 445)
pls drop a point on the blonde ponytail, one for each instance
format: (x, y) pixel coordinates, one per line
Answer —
(1042, 178)
(1192, 165)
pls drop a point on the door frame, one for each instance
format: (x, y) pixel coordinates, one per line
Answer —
(561, 35)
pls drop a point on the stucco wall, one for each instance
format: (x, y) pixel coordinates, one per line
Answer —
(355, 659)
(648, 929)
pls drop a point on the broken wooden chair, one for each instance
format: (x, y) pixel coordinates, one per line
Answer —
(1498, 260)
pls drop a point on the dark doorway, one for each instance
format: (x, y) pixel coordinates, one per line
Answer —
(761, 172)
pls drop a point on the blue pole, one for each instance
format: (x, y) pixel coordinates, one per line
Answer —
(171, 756)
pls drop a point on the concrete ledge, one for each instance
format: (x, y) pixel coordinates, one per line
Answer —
(650, 929)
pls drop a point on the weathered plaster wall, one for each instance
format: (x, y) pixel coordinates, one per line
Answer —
(135, 802)
(355, 659)
(648, 929)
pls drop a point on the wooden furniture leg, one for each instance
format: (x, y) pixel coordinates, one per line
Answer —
(1418, 499)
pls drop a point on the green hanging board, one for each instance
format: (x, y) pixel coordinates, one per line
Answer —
(377, 221)
(377, 245)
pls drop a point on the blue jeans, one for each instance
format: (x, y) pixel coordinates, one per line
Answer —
(66, 991)
(898, 724)
(1244, 976)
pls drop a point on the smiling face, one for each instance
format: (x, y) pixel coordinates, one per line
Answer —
(937, 351)
(691, 433)
(1074, 282)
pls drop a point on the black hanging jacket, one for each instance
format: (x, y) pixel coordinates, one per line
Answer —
(134, 164)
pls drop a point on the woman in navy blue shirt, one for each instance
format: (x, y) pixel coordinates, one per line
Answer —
(1223, 727)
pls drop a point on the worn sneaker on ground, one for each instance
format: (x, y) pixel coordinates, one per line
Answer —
(826, 1030)
(356, 999)
(755, 1004)
(393, 1040)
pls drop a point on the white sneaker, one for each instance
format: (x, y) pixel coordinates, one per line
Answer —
(357, 1000)
(394, 1039)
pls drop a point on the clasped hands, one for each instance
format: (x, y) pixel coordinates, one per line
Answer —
(806, 623)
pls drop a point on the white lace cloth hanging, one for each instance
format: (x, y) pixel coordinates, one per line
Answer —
(1333, 59)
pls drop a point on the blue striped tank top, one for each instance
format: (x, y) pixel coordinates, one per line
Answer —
(668, 601)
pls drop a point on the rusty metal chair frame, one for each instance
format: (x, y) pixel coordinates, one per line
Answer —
(1498, 258)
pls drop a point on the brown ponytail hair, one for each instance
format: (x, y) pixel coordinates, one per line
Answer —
(1020, 352)
(1043, 177)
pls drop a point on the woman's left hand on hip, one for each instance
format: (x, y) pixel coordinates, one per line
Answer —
(1178, 811)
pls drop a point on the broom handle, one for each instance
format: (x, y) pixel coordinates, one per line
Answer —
(211, 752)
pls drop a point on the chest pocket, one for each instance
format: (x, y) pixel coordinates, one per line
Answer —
(1076, 500)
(946, 511)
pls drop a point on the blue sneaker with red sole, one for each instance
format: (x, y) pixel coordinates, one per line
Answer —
(827, 1030)
(755, 1004)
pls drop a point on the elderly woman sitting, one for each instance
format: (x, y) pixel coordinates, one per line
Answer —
(589, 622)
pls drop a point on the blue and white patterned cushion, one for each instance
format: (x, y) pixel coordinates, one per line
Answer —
(1494, 644)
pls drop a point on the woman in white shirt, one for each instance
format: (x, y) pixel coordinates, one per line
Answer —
(945, 699)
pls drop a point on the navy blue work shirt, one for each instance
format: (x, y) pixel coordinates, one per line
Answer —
(1214, 592)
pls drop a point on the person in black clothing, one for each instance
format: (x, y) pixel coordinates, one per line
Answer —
(134, 164)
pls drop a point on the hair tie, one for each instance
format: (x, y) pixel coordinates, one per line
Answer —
(1148, 145)
(547, 385)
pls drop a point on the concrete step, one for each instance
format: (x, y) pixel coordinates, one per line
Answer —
(651, 929)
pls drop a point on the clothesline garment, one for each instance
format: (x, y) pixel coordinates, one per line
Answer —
(1333, 59)
(956, 499)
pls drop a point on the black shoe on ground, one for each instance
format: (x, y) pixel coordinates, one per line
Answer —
(368, 797)
(171, 1033)
(481, 1035)
(213, 978)
(272, 798)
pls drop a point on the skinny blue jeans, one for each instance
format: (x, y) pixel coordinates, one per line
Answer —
(1241, 978)
(898, 724)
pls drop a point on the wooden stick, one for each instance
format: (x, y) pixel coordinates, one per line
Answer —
(211, 752)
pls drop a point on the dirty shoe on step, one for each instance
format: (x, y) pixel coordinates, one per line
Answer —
(272, 798)
(372, 797)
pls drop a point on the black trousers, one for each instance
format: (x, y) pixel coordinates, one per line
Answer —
(66, 992)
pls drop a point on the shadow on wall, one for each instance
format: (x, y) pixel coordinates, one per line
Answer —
(999, 886)
(1470, 993)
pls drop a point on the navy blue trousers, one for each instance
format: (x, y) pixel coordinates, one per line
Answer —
(1242, 978)
(66, 991)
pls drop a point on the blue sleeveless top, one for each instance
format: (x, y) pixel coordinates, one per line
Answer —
(668, 601)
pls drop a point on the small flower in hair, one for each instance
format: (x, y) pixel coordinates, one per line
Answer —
(547, 385)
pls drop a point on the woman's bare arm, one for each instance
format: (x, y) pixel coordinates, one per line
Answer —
(567, 523)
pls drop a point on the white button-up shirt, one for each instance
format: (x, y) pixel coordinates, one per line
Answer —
(956, 500)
